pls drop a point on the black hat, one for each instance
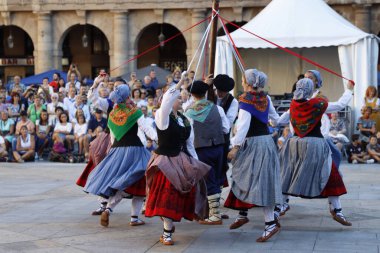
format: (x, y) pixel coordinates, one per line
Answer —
(224, 83)
(98, 110)
(198, 88)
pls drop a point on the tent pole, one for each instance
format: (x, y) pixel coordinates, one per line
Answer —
(213, 32)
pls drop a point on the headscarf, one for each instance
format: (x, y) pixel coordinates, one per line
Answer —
(255, 78)
(304, 89)
(120, 94)
(318, 77)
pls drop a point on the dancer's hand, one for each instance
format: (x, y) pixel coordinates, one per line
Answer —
(232, 154)
(209, 79)
(350, 85)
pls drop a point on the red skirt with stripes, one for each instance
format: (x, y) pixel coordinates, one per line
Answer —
(164, 200)
(138, 188)
(335, 185)
(234, 203)
(82, 180)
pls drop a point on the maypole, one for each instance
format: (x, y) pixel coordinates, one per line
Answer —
(211, 66)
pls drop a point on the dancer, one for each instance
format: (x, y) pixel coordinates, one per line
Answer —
(343, 101)
(210, 125)
(174, 172)
(308, 169)
(123, 169)
(256, 167)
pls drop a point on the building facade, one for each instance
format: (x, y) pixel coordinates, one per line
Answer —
(39, 35)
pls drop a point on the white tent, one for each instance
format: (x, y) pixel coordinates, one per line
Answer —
(312, 29)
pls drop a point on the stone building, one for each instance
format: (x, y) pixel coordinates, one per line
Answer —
(38, 35)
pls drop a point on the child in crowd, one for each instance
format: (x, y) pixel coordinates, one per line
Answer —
(80, 131)
(286, 134)
(373, 148)
(150, 105)
(355, 152)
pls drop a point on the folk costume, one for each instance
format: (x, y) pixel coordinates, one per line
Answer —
(123, 169)
(210, 125)
(256, 167)
(224, 84)
(309, 163)
(174, 175)
(334, 202)
(99, 148)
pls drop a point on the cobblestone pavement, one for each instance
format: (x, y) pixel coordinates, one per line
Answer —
(42, 210)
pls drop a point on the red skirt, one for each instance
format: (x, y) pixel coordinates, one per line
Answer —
(234, 203)
(82, 180)
(335, 185)
(164, 200)
(138, 188)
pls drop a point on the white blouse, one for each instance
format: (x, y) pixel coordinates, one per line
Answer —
(67, 128)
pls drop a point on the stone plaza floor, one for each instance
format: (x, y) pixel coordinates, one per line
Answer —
(42, 210)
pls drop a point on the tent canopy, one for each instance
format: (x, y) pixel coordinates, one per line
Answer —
(313, 29)
(297, 23)
(37, 79)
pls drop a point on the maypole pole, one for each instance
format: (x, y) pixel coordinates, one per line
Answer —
(213, 33)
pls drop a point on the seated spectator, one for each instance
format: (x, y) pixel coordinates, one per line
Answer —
(286, 134)
(150, 105)
(73, 77)
(373, 149)
(3, 104)
(131, 82)
(149, 145)
(366, 126)
(62, 131)
(356, 153)
(52, 106)
(158, 98)
(46, 89)
(16, 84)
(70, 99)
(61, 84)
(96, 125)
(3, 150)
(55, 82)
(136, 98)
(35, 109)
(76, 106)
(7, 129)
(80, 131)
(25, 146)
(153, 79)
(42, 134)
(177, 75)
(337, 131)
(15, 107)
(148, 86)
(24, 121)
(137, 85)
(53, 120)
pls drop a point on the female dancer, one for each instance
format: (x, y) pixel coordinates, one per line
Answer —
(124, 166)
(256, 167)
(174, 175)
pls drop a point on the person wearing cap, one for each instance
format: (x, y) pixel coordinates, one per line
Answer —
(123, 169)
(256, 166)
(210, 125)
(224, 84)
(334, 201)
(174, 172)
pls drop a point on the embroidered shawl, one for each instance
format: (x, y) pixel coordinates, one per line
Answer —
(199, 110)
(122, 118)
(256, 103)
(304, 116)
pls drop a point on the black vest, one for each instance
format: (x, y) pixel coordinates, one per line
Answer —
(172, 140)
(129, 139)
(257, 128)
(227, 103)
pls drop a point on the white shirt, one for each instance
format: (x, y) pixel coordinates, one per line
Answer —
(67, 102)
(80, 130)
(72, 110)
(77, 86)
(60, 127)
(244, 122)
(162, 117)
(232, 112)
(325, 121)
